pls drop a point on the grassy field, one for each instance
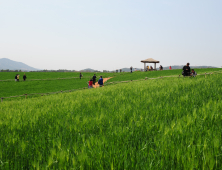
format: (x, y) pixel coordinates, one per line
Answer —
(49, 83)
(29, 87)
(10, 76)
(46, 82)
(153, 74)
(170, 123)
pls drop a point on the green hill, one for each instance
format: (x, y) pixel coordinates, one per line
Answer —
(169, 123)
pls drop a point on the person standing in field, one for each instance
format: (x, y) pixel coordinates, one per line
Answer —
(100, 82)
(18, 77)
(94, 79)
(170, 68)
(90, 83)
(131, 69)
(186, 70)
(80, 75)
(24, 77)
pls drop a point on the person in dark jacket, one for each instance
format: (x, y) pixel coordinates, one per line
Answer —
(94, 79)
(24, 77)
(16, 77)
(131, 69)
(100, 82)
(186, 70)
(80, 75)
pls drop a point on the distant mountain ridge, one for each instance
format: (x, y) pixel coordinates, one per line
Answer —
(6, 63)
(89, 70)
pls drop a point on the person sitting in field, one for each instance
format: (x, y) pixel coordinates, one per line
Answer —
(90, 83)
(100, 82)
(186, 70)
(24, 77)
(16, 77)
(193, 73)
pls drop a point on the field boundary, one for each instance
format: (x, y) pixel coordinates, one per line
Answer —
(48, 79)
(147, 78)
(106, 83)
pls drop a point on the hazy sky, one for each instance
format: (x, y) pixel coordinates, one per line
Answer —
(110, 34)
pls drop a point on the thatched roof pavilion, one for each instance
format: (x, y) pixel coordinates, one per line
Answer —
(150, 60)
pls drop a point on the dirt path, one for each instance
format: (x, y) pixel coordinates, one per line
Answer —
(104, 80)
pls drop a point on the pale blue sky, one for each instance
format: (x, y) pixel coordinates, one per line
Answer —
(102, 34)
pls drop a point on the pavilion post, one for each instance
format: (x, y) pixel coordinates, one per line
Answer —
(144, 66)
(155, 66)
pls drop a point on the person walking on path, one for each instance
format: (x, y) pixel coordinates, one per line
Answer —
(94, 79)
(186, 70)
(80, 75)
(90, 83)
(131, 69)
(24, 77)
(16, 77)
(100, 82)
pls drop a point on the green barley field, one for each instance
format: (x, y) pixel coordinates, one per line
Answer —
(168, 123)
(49, 82)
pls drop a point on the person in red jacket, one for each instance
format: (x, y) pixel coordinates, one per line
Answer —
(170, 68)
(90, 83)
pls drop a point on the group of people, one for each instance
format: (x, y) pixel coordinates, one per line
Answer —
(148, 68)
(17, 77)
(93, 81)
(186, 71)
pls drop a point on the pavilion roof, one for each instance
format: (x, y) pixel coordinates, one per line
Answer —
(150, 60)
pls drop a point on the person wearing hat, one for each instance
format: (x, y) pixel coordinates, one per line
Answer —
(186, 70)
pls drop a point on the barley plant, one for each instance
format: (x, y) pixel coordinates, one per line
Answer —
(169, 123)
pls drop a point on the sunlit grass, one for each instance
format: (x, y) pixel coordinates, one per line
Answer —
(170, 123)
